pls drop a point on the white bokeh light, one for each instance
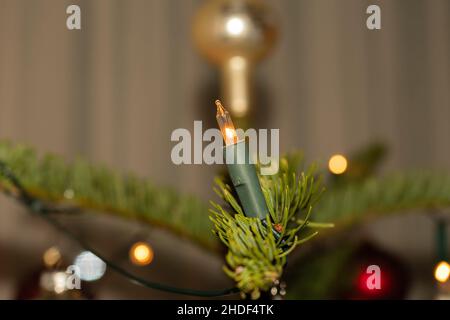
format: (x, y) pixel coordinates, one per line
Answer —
(91, 267)
(235, 26)
(59, 282)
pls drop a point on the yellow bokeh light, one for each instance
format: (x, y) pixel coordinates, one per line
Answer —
(337, 164)
(51, 257)
(442, 271)
(141, 254)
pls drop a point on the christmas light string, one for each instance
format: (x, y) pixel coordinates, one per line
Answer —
(37, 206)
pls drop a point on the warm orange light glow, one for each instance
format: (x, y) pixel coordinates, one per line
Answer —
(141, 254)
(337, 164)
(226, 124)
(51, 257)
(230, 133)
(442, 271)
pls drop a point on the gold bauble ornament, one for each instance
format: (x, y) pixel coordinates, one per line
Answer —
(235, 35)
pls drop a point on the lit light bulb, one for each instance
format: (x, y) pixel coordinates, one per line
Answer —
(226, 124)
(141, 254)
(337, 164)
(442, 271)
(230, 133)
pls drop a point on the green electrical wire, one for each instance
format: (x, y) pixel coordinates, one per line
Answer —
(44, 211)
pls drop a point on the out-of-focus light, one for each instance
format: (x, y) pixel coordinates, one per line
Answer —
(51, 257)
(59, 282)
(69, 194)
(337, 164)
(238, 62)
(365, 284)
(235, 26)
(141, 254)
(54, 281)
(91, 267)
(442, 271)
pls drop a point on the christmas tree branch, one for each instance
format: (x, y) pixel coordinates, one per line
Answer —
(255, 258)
(97, 188)
(45, 211)
(89, 187)
(354, 202)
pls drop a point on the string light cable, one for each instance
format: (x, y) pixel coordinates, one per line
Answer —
(43, 210)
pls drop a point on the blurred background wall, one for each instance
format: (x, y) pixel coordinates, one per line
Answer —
(114, 91)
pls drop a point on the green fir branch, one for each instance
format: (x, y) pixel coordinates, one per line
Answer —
(255, 258)
(90, 187)
(355, 202)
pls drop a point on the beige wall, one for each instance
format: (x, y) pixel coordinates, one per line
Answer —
(114, 91)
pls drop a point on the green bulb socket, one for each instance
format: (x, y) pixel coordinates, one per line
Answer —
(245, 181)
